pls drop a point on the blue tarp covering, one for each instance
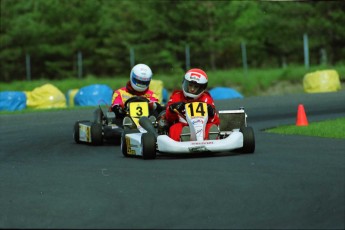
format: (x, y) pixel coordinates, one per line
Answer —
(12, 100)
(165, 96)
(219, 93)
(93, 95)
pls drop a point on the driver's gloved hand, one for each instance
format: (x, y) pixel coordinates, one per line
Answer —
(179, 106)
(210, 110)
(118, 110)
(155, 106)
(152, 105)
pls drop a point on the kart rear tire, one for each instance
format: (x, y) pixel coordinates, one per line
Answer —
(98, 115)
(96, 134)
(248, 140)
(76, 132)
(148, 142)
(123, 141)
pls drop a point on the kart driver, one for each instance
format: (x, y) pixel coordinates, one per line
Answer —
(193, 90)
(138, 85)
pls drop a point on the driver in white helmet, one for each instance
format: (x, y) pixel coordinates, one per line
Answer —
(138, 85)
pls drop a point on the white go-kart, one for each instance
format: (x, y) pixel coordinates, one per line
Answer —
(233, 135)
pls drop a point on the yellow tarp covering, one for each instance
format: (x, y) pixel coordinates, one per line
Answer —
(321, 81)
(45, 97)
(157, 87)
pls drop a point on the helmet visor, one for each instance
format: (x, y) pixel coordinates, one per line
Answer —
(140, 83)
(192, 87)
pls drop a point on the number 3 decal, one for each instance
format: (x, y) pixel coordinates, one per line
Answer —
(138, 109)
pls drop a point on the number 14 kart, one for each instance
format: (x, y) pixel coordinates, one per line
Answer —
(233, 135)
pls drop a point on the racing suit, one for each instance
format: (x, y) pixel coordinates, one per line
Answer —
(177, 122)
(120, 96)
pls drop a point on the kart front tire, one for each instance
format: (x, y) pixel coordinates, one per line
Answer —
(96, 134)
(248, 140)
(123, 141)
(76, 132)
(148, 141)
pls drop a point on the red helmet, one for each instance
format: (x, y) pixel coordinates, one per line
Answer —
(194, 83)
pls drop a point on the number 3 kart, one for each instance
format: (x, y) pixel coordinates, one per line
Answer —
(233, 135)
(107, 128)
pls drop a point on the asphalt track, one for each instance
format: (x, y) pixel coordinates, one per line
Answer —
(290, 182)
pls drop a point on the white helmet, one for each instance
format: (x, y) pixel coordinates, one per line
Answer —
(140, 77)
(194, 83)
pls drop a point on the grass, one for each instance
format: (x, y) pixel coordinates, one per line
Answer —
(255, 82)
(329, 129)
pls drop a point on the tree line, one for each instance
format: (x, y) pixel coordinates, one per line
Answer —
(105, 32)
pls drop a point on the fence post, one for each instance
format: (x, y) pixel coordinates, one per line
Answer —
(187, 52)
(28, 67)
(80, 64)
(284, 65)
(244, 57)
(131, 57)
(306, 51)
(323, 56)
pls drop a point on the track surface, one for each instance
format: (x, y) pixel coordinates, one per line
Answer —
(290, 182)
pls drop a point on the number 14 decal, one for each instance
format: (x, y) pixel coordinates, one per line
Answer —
(196, 109)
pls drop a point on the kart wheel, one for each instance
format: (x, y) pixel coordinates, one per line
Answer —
(96, 134)
(98, 116)
(248, 140)
(76, 132)
(123, 141)
(148, 142)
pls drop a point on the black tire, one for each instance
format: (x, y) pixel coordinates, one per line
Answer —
(123, 141)
(76, 132)
(98, 116)
(96, 134)
(248, 140)
(148, 142)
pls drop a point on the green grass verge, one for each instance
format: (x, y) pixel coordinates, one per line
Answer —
(329, 129)
(255, 82)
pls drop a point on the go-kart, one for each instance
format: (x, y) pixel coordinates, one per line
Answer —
(106, 127)
(233, 135)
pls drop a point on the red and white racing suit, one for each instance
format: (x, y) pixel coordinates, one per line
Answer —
(179, 122)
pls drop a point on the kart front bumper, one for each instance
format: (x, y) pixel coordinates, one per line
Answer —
(166, 145)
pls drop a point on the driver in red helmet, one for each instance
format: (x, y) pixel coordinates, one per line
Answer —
(138, 85)
(193, 90)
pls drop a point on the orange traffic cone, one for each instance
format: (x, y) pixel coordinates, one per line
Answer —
(301, 116)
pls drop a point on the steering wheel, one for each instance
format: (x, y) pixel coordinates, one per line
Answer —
(136, 99)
